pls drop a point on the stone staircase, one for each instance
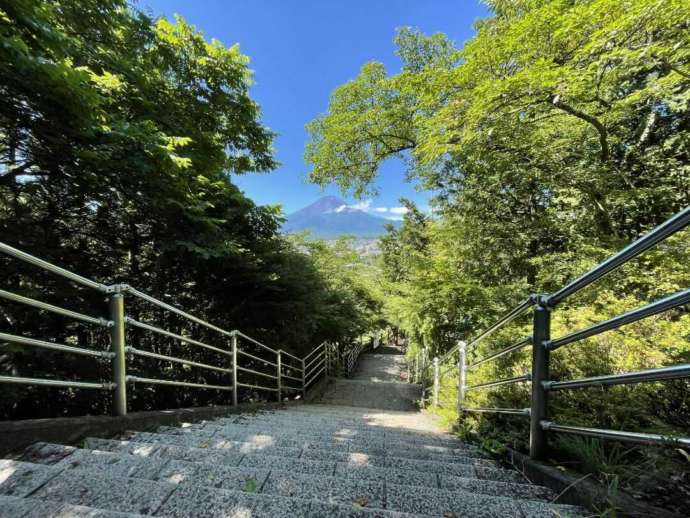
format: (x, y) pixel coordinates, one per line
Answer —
(311, 460)
(379, 381)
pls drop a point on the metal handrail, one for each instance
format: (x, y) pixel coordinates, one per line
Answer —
(258, 387)
(507, 381)
(672, 301)
(505, 319)
(635, 437)
(149, 354)
(315, 359)
(181, 338)
(660, 233)
(45, 265)
(512, 348)
(663, 373)
(19, 380)
(543, 344)
(255, 342)
(285, 353)
(152, 381)
(314, 377)
(320, 346)
(515, 411)
(133, 291)
(8, 295)
(244, 369)
(268, 362)
(120, 350)
(320, 364)
(23, 340)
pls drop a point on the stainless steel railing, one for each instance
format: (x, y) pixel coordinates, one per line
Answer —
(431, 373)
(247, 362)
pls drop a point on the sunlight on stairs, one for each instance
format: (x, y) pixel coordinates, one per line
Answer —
(309, 460)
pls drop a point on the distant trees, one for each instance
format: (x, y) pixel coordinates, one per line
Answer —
(118, 138)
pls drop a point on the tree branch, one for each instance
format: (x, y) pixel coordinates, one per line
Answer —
(601, 129)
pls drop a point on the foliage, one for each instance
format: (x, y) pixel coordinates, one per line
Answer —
(555, 136)
(119, 138)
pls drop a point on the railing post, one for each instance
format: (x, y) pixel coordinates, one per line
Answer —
(234, 369)
(416, 368)
(462, 375)
(279, 369)
(119, 364)
(540, 372)
(437, 380)
(304, 374)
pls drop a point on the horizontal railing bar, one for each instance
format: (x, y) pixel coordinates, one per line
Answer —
(285, 353)
(452, 351)
(45, 265)
(316, 358)
(160, 331)
(256, 342)
(283, 376)
(148, 354)
(670, 302)
(311, 371)
(240, 351)
(243, 369)
(258, 387)
(634, 437)
(447, 369)
(129, 289)
(54, 309)
(151, 381)
(307, 383)
(506, 381)
(53, 346)
(512, 348)
(515, 411)
(292, 387)
(323, 344)
(663, 373)
(508, 317)
(669, 227)
(55, 383)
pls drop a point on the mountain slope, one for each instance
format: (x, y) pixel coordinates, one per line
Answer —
(330, 217)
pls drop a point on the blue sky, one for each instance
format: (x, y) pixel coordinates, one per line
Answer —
(300, 51)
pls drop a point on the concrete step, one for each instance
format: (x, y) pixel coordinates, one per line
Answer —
(317, 433)
(16, 507)
(290, 438)
(260, 439)
(479, 468)
(387, 396)
(514, 486)
(55, 487)
(345, 429)
(72, 480)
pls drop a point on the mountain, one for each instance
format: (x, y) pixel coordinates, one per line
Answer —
(331, 217)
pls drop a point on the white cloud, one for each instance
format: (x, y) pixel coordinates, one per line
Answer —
(362, 205)
(380, 209)
(398, 210)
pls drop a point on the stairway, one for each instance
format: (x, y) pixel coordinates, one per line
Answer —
(378, 382)
(313, 460)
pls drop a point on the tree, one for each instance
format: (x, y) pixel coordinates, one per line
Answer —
(119, 138)
(555, 136)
